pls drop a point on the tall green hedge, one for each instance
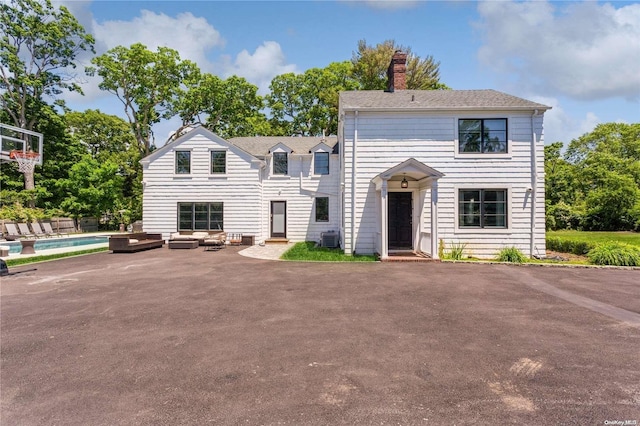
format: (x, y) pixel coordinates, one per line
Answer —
(564, 245)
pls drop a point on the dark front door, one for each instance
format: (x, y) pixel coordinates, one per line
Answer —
(400, 220)
(279, 219)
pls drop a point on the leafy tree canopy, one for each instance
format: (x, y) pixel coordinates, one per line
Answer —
(147, 83)
(38, 48)
(370, 64)
(230, 107)
(595, 185)
(307, 104)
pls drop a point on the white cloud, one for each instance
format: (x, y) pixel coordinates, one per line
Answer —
(584, 50)
(192, 36)
(562, 126)
(259, 68)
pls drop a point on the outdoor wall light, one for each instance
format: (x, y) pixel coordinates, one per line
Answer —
(404, 183)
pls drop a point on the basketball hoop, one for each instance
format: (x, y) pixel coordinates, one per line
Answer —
(26, 160)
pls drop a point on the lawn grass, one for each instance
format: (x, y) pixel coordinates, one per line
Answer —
(34, 259)
(307, 251)
(632, 238)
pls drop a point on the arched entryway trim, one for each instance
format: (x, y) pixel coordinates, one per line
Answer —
(415, 178)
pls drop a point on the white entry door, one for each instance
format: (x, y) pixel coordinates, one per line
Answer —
(279, 219)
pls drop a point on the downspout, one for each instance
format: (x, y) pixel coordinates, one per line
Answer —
(353, 182)
(261, 168)
(534, 185)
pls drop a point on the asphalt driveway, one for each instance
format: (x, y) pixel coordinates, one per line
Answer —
(169, 337)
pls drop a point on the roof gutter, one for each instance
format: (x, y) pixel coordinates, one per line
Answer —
(444, 109)
(353, 182)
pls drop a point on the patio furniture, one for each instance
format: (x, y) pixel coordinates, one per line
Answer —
(27, 246)
(24, 230)
(215, 242)
(49, 230)
(183, 244)
(248, 240)
(129, 243)
(38, 230)
(235, 239)
(12, 232)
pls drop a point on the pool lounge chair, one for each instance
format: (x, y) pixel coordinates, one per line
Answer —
(38, 230)
(24, 231)
(12, 232)
(49, 230)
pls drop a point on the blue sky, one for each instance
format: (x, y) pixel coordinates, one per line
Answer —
(581, 58)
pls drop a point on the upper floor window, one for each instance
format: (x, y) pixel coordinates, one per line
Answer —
(482, 208)
(482, 135)
(321, 163)
(280, 163)
(183, 162)
(218, 162)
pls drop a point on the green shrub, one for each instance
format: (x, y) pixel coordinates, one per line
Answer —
(564, 245)
(512, 255)
(456, 251)
(614, 253)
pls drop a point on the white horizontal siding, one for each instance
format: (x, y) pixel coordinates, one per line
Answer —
(245, 189)
(299, 189)
(384, 140)
(239, 189)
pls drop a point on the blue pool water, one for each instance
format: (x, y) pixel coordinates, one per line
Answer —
(53, 243)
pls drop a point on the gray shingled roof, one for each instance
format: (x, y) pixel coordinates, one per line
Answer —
(435, 100)
(259, 145)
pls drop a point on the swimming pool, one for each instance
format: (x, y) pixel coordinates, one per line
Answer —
(52, 243)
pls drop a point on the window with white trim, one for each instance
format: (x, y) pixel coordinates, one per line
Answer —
(482, 208)
(200, 216)
(183, 162)
(280, 163)
(482, 136)
(321, 163)
(218, 162)
(322, 209)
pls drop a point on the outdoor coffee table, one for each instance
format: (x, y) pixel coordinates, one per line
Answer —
(183, 244)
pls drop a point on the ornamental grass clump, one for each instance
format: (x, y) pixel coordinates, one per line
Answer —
(615, 254)
(457, 251)
(511, 255)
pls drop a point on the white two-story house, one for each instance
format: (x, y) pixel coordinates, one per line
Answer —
(409, 171)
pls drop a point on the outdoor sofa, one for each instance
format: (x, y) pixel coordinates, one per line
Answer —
(216, 239)
(129, 243)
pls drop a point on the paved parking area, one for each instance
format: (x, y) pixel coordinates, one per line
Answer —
(194, 337)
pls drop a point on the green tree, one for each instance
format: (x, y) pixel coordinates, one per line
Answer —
(92, 188)
(109, 139)
(307, 104)
(596, 184)
(563, 200)
(101, 134)
(147, 83)
(61, 152)
(370, 64)
(38, 49)
(230, 107)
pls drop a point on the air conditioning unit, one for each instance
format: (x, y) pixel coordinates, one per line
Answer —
(329, 239)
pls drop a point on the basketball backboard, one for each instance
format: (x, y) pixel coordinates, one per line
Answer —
(15, 138)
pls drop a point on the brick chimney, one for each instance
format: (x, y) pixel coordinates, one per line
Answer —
(396, 72)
